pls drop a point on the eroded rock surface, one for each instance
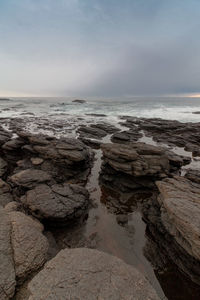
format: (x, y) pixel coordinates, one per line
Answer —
(89, 274)
(180, 210)
(137, 165)
(3, 167)
(7, 269)
(60, 203)
(30, 246)
(30, 178)
(23, 249)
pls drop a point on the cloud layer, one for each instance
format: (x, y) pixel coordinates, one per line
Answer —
(99, 47)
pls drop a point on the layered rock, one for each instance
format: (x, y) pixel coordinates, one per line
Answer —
(59, 203)
(173, 223)
(89, 274)
(138, 164)
(170, 132)
(63, 159)
(125, 137)
(180, 212)
(30, 178)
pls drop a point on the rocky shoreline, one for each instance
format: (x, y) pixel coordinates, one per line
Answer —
(45, 203)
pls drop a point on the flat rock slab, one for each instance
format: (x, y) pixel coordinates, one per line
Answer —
(60, 202)
(30, 178)
(89, 274)
(180, 212)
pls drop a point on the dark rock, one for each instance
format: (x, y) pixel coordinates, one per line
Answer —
(30, 178)
(60, 203)
(90, 132)
(3, 167)
(126, 136)
(193, 175)
(79, 101)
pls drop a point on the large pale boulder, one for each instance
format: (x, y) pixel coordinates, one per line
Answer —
(30, 246)
(89, 274)
(7, 269)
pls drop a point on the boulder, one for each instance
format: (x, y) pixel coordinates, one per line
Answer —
(89, 274)
(30, 246)
(59, 203)
(7, 268)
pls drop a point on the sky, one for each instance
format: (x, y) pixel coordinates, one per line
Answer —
(99, 47)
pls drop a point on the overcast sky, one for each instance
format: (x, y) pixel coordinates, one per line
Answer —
(99, 47)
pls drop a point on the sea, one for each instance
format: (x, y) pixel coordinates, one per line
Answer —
(183, 109)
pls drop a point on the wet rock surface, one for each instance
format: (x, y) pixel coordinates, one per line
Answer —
(44, 180)
(137, 165)
(59, 203)
(169, 132)
(71, 275)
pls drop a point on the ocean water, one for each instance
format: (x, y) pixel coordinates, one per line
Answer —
(176, 108)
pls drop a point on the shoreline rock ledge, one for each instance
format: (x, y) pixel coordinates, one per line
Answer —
(173, 221)
(89, 274)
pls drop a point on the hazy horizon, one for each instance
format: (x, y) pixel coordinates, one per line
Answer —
(99, 48)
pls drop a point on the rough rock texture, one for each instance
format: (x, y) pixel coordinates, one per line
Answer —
(30, 178)
(193, 175)
(5, 193)
(170, 132)
(125, 137)
(60, 202)
(63, 159)
(173, 223)
(3, 167)
(4, 135)
(91, 132)
(7, 270)
(30, 246)
(139, 159)
(137, 165)
(89, 274)
(23, 249)
(180, 212)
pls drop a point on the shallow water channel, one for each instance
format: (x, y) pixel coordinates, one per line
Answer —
(128, 240)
